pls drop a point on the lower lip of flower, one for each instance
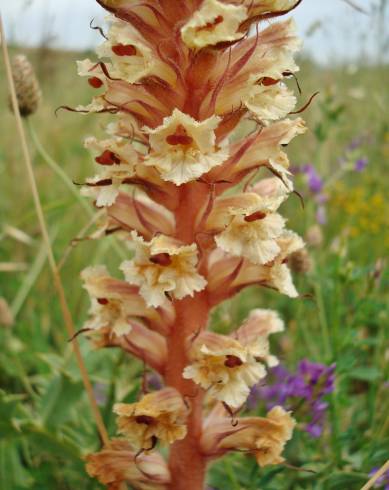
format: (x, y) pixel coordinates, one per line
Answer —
(161, 259)
(144, 419)
(107, 158)
(232, 361)
(124, 50)
(95, 82)
(255, 216)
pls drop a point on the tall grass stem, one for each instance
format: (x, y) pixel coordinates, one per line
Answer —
(42, 223)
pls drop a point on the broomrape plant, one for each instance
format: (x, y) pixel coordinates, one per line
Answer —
(197, 89)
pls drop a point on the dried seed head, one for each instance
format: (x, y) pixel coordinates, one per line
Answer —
(300, 261)
(314, 236)
(26, 85)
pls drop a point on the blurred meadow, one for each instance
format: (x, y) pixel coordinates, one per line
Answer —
(341, 318)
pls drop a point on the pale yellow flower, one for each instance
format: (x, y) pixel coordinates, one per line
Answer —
(263, 6)
(118, 158)
(271, 56)
(132, 59)
(115, 302)
(213, 23)
(108, 308)
(251, 225)
(280, 276)
(158, 416)
(264, 150)
(255, 331)
(224, 367)
(183, 149)
(116, 464)
(163, 266)
(269, 103)
(92, 70)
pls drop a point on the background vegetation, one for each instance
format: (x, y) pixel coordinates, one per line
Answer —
(342, 317)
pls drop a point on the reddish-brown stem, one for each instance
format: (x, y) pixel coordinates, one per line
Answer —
(187, 463)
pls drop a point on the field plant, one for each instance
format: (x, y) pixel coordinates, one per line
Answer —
(197, 105)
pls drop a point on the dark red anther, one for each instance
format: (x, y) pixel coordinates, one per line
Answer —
(232, 361)
(210, 25)
(180, 137)
(161, 259)
(95, 82)
(107, 158)
(124, 50)
(285, 261)
(255, 216)
(102, 301)
(267, 81)
(144, 419)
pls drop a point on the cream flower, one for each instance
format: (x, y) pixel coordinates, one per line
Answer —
(263, 6)
(214, 23)
(163, 266)
(264, 437)
(183, 149)
(269, 103)
(228, 274)
(224, 367)
(109, 311)
(279, 273)
(92, 70)
(116, 464)
(158, 416)
(118, 158)
(254, 334)
(131, 58)
(253, 228)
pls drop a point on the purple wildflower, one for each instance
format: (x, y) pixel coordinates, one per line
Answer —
(383, 480)
(100, 392)
(315, 182)
(361, 164)
(302, 392)
(321, 215)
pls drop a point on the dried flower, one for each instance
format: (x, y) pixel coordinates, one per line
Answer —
(118, 463)
(27, 87)
(159, 416)
(264, 437)
(300, 261)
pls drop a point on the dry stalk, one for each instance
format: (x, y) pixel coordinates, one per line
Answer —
(53, 266)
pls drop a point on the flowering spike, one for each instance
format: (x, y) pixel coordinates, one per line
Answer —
(186, 85)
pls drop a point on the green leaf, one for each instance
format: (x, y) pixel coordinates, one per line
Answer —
(366, 373)
(351, 481)
(12, 473)
(58, 401)
(12, 414)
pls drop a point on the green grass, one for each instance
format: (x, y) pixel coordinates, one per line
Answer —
(44, 417)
